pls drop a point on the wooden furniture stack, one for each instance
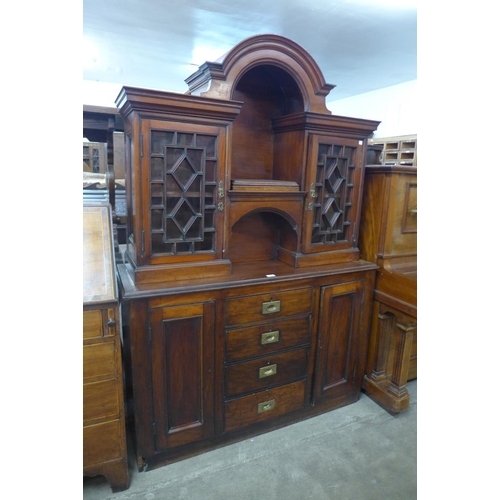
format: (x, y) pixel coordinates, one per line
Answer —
(104, 438)
(398, 150)
(246, 306)
(388, 237)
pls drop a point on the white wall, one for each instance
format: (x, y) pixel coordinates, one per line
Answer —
(395, 107)
(100, 93)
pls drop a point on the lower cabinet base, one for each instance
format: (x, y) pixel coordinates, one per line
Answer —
(392, 353)
(393, 399)
(160, 459)
(115, 472)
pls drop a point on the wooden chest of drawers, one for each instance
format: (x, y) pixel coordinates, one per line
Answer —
(104, 438)
(218, 360)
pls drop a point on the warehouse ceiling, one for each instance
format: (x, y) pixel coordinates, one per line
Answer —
(360, 45)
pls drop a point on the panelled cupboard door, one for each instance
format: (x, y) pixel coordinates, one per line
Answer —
(182, 355)
(338, 340)
(332, 193)
(183, 169)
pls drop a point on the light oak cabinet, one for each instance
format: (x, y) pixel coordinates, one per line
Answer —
(389, 238)
(104, 437)
(246, 306)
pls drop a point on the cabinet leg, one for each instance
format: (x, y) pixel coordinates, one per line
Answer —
(389, 363)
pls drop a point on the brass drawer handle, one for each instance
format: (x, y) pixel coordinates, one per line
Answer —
(266, 406)
(271, 307)
(269, 337)
(267, 371)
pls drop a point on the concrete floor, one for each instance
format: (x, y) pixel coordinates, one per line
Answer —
(359, 452)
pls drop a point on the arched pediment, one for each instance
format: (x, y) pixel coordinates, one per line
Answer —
(219, 79)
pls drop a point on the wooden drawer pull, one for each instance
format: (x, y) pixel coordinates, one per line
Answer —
(267, 371)
(266, 406)
(271, 307)
(270, 337)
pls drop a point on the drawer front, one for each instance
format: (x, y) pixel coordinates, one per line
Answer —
(92, 324)
(102, 442)
(100, 400)
(264, 372)
(264, 405)
(99, 360)
(267, 306)
(263, 339)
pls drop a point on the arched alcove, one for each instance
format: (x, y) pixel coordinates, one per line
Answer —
(259, 234)
(267, 92)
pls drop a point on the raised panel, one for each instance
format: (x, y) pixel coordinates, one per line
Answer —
(182, 373)
(338, 339)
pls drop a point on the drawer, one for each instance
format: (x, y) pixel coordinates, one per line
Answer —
(265, 306)
(92, 324)
(263, 372)
(99, 360)
(264, 405)
(103, 442)
(101, 400)
(263, 339)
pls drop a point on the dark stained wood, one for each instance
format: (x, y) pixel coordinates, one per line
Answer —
(228, 242)
(242, 378)
(338, 349)
(183, 382)
(247, 342)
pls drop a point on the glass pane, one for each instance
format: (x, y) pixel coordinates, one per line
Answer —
(184, 172)
(156, 194)
(210, 171)
(156, 169)
(172, 231)
(206, 244)
(208, 142)
(195, 157)
(183, 247)
(173, 188)
(194, 195)
(159, 140)
(349, 153)
(156, 219)
(185, 139)
(183, 215)
(209, 219)
(173, 156)
(195, 231)
(323, 150)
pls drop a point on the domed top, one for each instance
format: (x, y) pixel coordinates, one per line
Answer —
(219, 79)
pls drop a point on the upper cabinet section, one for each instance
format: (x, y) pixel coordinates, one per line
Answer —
(248, 165)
